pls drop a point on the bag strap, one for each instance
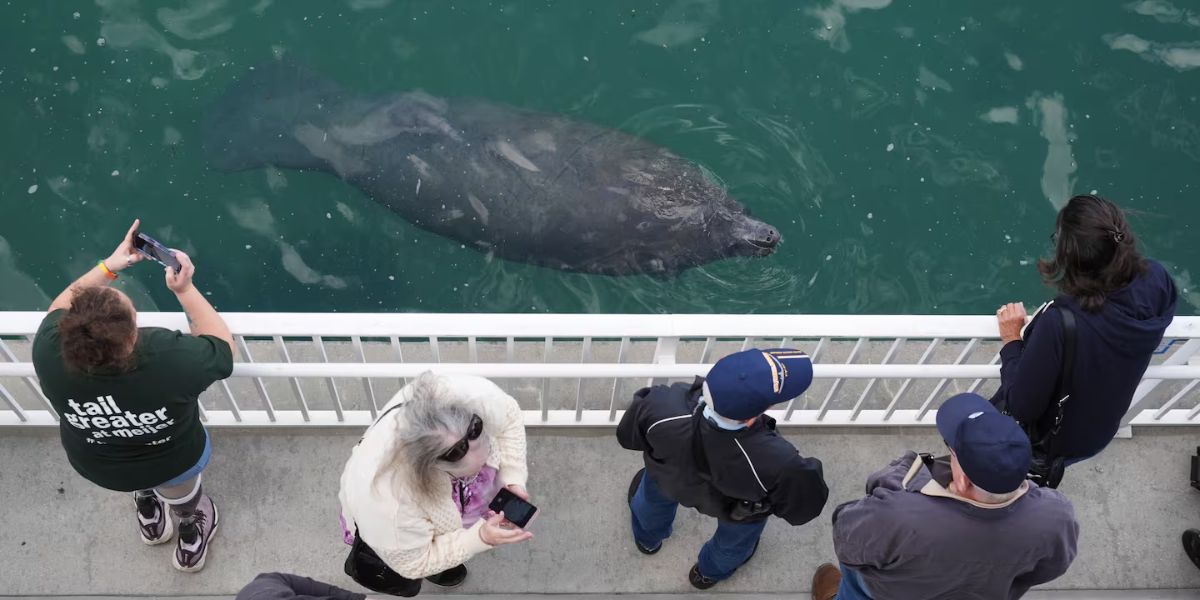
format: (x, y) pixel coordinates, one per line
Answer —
(1065, 376)
(378, 419)
(703, 469)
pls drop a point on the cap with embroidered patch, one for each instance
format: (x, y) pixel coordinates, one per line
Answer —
(745, 384)
(991, 448)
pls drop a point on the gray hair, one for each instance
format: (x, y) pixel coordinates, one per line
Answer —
(431, 415)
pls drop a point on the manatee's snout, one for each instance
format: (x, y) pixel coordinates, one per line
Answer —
(760, 239)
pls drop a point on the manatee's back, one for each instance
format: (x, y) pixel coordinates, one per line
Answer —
(573, 195)
(251, 125)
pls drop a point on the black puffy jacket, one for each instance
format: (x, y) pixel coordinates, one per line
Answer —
(751, 464)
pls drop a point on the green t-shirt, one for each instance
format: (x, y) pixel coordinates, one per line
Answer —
(136, 429)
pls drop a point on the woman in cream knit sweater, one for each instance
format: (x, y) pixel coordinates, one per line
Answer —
(417, 486)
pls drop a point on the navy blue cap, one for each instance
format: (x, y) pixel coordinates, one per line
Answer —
(991, 448)
(745, 384)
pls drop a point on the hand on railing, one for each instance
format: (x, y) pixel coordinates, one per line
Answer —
(1011, 318)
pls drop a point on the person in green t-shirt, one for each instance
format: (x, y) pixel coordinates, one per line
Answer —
(128, 397)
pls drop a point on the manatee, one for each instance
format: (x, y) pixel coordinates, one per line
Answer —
(517, 184)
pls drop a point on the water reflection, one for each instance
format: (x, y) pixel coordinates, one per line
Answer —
(682, 23)
(122, 28)
(21, 292)
(833, 20)
(1165, 12)
(917, 173)
(256, 216)
(1183, 56)
(1157, 111)
(1057, 182)
(948, 162)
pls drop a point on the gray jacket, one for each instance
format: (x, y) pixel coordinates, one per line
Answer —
(911, 539)
(282, 586)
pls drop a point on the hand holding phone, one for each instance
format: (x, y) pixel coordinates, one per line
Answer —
(156, 251)
(516, 511)
(939, 468)
(125, 255)
(497, 531)
(180, 280)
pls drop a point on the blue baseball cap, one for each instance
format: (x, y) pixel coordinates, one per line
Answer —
(745, 384)
(991, 448)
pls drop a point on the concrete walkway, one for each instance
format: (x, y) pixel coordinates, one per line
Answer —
(277, 490)
(1036, 595)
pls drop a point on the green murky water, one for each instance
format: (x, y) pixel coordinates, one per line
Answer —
(910, 153)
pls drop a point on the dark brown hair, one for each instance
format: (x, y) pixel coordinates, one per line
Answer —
(1095, 252)
(98, 330)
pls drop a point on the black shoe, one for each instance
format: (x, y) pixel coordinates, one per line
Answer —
(701, 582)
(1191, 545)
(452, 577)
(633, 486)
(155, 525)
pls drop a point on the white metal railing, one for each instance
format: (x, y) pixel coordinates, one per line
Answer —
(330, 369)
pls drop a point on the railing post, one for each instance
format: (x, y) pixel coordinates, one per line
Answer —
(1180, 357)
(664, 354)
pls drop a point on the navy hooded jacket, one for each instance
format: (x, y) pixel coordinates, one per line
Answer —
(1113, 347)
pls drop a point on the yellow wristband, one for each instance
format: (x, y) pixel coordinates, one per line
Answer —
(107, 273)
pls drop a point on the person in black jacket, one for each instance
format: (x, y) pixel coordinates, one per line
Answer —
(709, 446)
(1121, 303)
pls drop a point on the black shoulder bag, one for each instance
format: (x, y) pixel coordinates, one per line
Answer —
(366, 568)
(1048, 466)
(737, 509)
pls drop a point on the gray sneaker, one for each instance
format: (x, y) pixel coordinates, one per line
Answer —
(196, 536)
(155, 525)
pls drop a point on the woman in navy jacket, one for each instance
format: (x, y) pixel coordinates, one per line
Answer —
(1121, 303)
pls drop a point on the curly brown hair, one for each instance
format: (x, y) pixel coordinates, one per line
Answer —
(98, 330)
(1095, 252)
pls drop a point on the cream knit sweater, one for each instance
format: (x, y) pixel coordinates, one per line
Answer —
(418, 540)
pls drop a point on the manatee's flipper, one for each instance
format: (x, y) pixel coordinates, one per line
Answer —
(253, 124)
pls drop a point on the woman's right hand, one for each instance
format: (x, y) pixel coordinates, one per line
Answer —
(496, 531)
(1011, 318)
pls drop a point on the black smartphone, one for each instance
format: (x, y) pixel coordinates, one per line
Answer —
(939, 468)
(516, 511)
(156, 251)
(1196, 469)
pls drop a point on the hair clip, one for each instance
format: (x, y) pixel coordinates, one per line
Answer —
(1118, 236)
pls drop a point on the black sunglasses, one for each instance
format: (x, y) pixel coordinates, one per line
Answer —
(460, 448)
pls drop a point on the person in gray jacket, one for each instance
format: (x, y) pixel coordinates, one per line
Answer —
(966, 526)
(282, 586)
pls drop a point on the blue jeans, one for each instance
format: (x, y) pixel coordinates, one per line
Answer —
(728, 549)
(852, 587)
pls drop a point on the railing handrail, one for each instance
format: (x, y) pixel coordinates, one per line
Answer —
(611, 370)
(536, 325)
(403, 345)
